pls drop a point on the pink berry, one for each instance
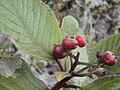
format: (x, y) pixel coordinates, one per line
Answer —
(108, 58)
(81, 41)
(59, 52)
(69, 43)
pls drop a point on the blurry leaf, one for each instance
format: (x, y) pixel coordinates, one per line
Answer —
(41, 63)
(9, 64)
(80, 3)
(61, 75)
(23, 79)
(107, 83)
(70, 27)
(111, 43)
(31, 24)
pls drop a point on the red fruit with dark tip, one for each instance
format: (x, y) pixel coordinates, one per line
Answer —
(59, 52)
(69, 43)
(108, 58)
(81, 41)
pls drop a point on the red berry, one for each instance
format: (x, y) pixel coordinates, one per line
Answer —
(69, 43)
(59, 52)
(81, 41)
(108, 58)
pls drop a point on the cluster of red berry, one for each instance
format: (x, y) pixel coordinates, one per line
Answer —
(62, 50)
(59, 51)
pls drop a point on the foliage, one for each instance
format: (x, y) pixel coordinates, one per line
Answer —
(34, 30)
(23, 79)
(32, 26)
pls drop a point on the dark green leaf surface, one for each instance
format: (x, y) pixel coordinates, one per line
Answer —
(23, 79)
(31, 24)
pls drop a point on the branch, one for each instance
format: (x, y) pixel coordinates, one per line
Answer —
(72, 86)
(60, 84)
(75, 63)
(59, 64)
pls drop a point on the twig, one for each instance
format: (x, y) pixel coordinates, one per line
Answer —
(60, 84)
(82, 63)
(72, 86)
(59, 64)
(83, 69)
(75, 63)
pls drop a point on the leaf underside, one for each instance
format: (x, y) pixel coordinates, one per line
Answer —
(32, 26)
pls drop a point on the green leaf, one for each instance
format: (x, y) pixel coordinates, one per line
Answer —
(23, 79)
(31, 24)
(61, 75)
(70, 28)
(107, 83)
(111, 43)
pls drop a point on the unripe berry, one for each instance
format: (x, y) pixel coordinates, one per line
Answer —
(100, 72)
(108, 58)
(81, 41)
(69, 43)
(59, 52)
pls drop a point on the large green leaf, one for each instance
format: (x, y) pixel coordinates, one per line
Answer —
(70, 27)
(23, 79)
(31, 24)
(111, 43)
(107, 83)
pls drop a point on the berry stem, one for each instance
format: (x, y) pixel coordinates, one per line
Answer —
(83, 69)
(71, 61)
(60, 65)
(80, 75)
(83, 63)
(75, 63)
